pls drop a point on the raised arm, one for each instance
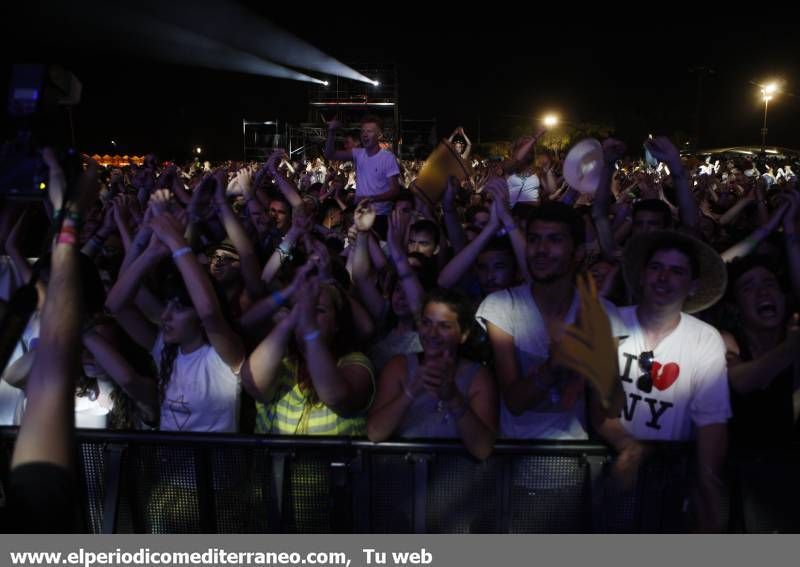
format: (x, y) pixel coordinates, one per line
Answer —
(142, 389)
(46, 433)
(398, 225)
(120, 300)
(259, 371)
(468, 149)
(464, 261)
(250, 269)
(612, 150)
(663, 150)
(750, 243)
(344, 389)
(330, 145)
(791, 223)
(225, 342)
(375, 303)
(301, 224)
(284, 185)
(455, 232)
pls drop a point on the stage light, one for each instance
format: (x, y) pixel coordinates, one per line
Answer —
(198, 150)
(325, 83)
(550, 120)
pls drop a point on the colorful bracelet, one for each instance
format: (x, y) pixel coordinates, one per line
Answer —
(181, 252)
(67, 237)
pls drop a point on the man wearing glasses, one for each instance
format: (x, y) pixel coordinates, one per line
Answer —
(672, 365)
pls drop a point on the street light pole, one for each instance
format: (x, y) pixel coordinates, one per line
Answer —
(767, 91)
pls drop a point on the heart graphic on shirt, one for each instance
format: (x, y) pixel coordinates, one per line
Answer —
(664, 376)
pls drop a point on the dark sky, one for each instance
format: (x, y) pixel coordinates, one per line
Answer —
(631, 71)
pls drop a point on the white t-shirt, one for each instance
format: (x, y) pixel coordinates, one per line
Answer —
(12, 400)
(373, 174)
(202, 394)
(689, 380)
(523, 189)
(563, 415)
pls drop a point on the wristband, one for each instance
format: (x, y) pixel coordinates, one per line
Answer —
(312, 336)
(67, 237)
(181, 252)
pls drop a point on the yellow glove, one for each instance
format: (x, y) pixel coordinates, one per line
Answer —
(589, 349)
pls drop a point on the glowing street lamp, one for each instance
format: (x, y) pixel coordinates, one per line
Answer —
(767, 92)
(550, 120)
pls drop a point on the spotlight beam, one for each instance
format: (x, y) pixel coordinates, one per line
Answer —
(140, 33)
(235, 25)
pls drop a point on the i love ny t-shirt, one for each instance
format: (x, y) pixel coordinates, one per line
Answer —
(688, 382)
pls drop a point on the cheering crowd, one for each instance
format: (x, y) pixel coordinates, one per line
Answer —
(328, 298)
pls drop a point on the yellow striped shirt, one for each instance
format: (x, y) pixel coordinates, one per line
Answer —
(291, 412)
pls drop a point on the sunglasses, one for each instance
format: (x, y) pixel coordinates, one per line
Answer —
(645, 381)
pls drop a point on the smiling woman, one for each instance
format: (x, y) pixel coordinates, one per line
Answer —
(762, 356)
(438, 393)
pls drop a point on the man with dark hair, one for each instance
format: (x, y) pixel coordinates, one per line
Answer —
(651, 214)
(672, 365)
(540, 401)
(423, 237)
(377, 172)
(280, 213)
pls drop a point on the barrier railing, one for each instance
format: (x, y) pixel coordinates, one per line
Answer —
(192, 483)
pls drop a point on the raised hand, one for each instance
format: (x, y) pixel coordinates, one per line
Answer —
(364, 216)
(663, 150)
(57, 186)
(398, 230)
(438, 375)
(244, 178)
(169, 230)
(201, 204)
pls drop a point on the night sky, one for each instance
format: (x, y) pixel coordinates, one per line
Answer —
(630, 70)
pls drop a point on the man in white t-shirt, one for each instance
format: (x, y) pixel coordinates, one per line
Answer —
(523, 187)
(540, 401)
(377, 172)
(672, 365)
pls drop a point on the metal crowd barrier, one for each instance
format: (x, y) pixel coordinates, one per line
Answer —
(148, 482)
